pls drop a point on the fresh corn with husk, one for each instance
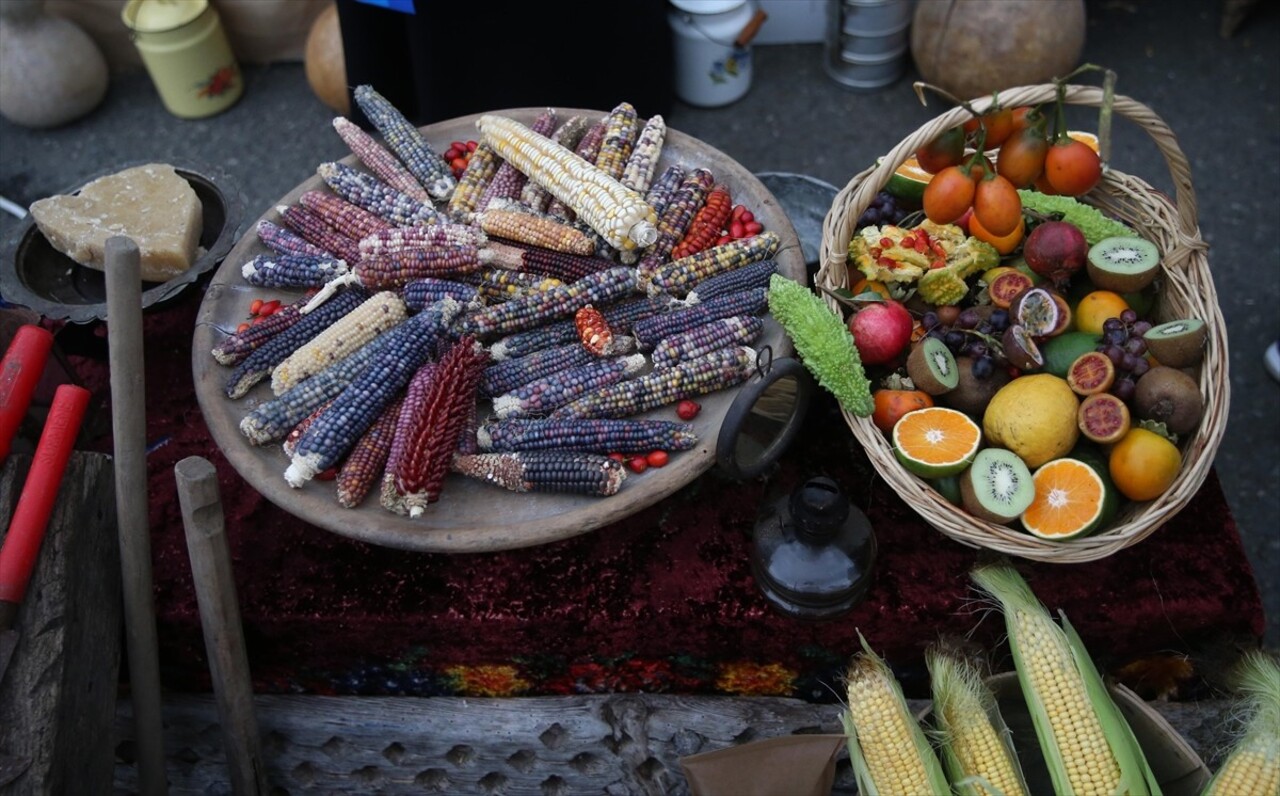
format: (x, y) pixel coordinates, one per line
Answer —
(1087, 744)
(888, 750)
(975, 744)
(1252, 767)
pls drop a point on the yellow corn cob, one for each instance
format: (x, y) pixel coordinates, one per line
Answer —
(619, 214)
(535, 230)
(887, 747)
(1253, 765)
(374, 316)
(975, 748)
(621, 127)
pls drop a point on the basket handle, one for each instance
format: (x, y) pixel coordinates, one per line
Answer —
(838, 226)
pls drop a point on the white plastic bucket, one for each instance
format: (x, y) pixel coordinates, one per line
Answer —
(710, 68)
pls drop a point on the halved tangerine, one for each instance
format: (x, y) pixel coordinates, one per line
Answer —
(936, 441)
(1070, 500)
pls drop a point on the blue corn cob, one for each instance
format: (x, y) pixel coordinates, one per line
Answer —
(744, 277)
(541, 338)
(369, 394)
(314, 229)
(543, 396)
(290, 443)
(701, 340)
(263, 360)
(564, 472)
(681, 276)
(496, 285)
(378, 160)
(505, 376)
(743, 302)
(421, 292)
(718, 370)
(533, 309)
(532, 259)
(660, 192)
(620, 315)
(281, 240)
(368, 192)
(292, 270)
(600, 435)
(407, 142)
(233, 348)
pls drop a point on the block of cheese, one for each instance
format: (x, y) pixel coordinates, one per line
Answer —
(152, 204)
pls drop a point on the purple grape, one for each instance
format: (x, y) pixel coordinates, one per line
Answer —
(929, 320)
(1135, 345)
(1130, 362)
(968, 319)
(1141, 367)
(869, 216)
(1140, 328)
(985, 327)
(1115, 337)
(983, 368)
(954, 340)
(999, 320)
(1128, 317)
(977, 349)
(1111, 324)
(1114, 353)
(1123, 389)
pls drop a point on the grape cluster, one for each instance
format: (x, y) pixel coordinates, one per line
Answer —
(884, 209)
(1123, 344)
(973, 336)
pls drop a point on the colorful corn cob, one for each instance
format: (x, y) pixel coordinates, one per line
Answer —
(602, 435)
(505, 376)
(428, 290)
(622, 316)
(348, 219)
(483, 164)
(545, 395)
(382, 163)
(651, 330)
(643, 161)
(531, 259)
(744, 277)
(312, 228)
(715, 371)
(374, 195)
(415, 393)
(407, 142)
(358, 406)
(567, 135)
(343, 337)
(540, 338)
(235, 347)
(292, 270)
(593, 330)
(660, 192)
(396, 239)
(621, 128)
(363, 466)
(290, 442)
(707, 223)
(618, 213)
(680, 276)
(508, 181)
(588, 149)
(564, 472)
(433, 438)
(281, 240)
(497, 285)
(258, 365)
(534, 309)
(701, 340)
(534, 230)
(676, 218)
(396, 269)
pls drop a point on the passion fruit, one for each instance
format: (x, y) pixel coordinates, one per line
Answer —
(1091, 373)
(1036, 311)
(1020, 350)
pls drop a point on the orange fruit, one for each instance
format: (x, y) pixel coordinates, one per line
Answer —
(1096, 307)
(1005, 244)
(1144, 464)
(1088, 139)
(1070, 501)
(936, 441)
(864, 284)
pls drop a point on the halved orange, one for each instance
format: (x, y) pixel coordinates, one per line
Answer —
(936, 441)
(1070, 501)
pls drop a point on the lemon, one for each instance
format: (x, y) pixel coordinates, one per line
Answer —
(1033, 416)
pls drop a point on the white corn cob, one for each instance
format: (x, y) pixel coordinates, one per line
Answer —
(374, 316)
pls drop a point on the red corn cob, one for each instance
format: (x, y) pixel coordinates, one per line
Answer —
(593, 330)
(316, 231)
(364, 464)
(349, 219)
(705, 228)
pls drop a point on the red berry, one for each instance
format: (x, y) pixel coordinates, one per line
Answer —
(242, 327)
(471, 146)
(457, 144)
(270, 307)
(255, 307)
(747, 217)
(327, 475)
(458, 164)
(687, 410)
(736, 230)
(753, 227)
(637, 464)
(737, 212)
(657, 458)
(451, 153)
(722, 240)
(618, 457)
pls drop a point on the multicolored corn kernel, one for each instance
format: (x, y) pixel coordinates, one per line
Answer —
(396, 269)
(378, 160)
(312, 228)
(593, 330)
(290, 442)
(345, 336)
(660, 192)
(653, 329)
(676, 218)
(539, 338)
(421, 292)
(364, 465)
(707, 223)
(508, 181)
(292, 270)
(543, 396)
(505, 376)
(746, 277)
(407, 142)
(534, 230)
(534, 309)
(681, 276)
(282, 240)
(564, 472)
(497, 285)
(600, 435)
(567, 135)
(348, 219)
(701, 340)
(233, 348)
(643, 161)
(406, 420)
(372, 194)
(621, 128)
(518, 256)
(397, 239)
(484, 163)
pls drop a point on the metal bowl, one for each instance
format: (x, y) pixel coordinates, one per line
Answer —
(38, 276)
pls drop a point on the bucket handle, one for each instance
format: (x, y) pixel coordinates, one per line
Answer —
(744, 36)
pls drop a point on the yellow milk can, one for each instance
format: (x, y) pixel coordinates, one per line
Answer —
(187, 55)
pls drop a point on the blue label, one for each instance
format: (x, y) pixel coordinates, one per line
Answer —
(403, 6)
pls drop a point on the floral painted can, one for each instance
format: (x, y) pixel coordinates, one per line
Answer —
(712, 67)
(187, 54)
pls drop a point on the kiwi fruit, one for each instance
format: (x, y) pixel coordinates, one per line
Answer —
(1123, 264)
(932, 367)
(997, 487)
(1178, 344)
(972, 394)
(1167, 395)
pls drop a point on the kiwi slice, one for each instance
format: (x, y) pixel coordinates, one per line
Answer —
(1123, 263)
(932, 367)
(997, 487)
(1178, 344)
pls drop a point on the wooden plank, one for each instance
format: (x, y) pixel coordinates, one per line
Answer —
(58, 697)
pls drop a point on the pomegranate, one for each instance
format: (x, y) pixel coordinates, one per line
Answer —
(1056, 250)
(881, 331)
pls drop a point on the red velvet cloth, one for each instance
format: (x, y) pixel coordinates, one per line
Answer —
(662, 601)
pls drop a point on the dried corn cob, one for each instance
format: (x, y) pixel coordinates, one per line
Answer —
(258, 365)
(622, 316)
(382, 163)
(433, 439)
(483, 164)
(592, 436)
(545, 395)
(650, 331)
(290, 442)
(407, 142)
(397, 239)
(292, 270)
(618, 213)
(375, 196)
(235, 347)
(342, 338)
(534, 309)
(497, 285)
(535, 231)
(700, 340)
(428, 290)
(660, 192)
(312, 228)
(744, 277)
(1253, 763)
(358, 406)
(531, 259)
(593, 330)
(348, 219)
(975, 742)
(283, 241)
(564, 472)
(621, 128)
(707, 224)
(887, 747)
(588, 149)
(406, 419)
(675, 219)
(643, 161)
(508, 181)
(501, 377)
(363, 466)
(681, 276)
(567, 135)
(715, 371)
(541, 338)
(1087, 744)
(396, 269)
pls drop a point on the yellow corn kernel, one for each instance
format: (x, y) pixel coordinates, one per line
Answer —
(973, 747)
(1253, 766)
(348, 334)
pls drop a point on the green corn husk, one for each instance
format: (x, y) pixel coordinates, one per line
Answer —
(1007, 586)
(1253, 764)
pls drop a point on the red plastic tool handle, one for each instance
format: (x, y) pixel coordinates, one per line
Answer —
(19, 374)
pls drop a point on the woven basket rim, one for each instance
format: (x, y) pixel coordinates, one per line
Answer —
(1187, 291)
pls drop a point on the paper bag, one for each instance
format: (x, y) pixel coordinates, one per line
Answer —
(795, 765)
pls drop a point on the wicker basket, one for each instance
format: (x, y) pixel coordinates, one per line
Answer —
(1185, 291)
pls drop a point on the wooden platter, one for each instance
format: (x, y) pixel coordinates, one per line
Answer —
(470, 516)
